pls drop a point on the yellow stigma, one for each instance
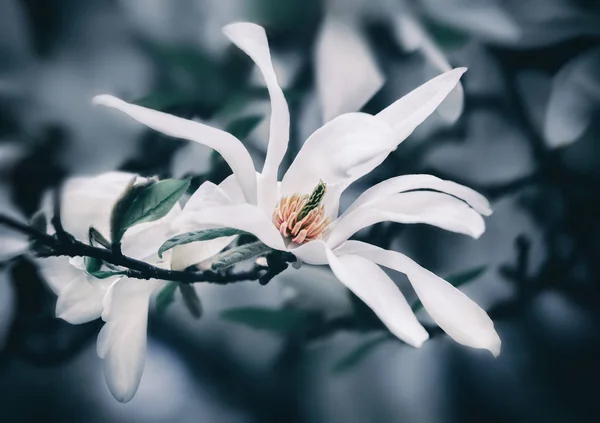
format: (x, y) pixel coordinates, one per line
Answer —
(301, 217)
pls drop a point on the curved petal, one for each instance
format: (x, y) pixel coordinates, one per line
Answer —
(245, 217)
(183, 256)
(346, 71)
(232, 150)
(413, 37)
(252, 39)
(88, 201)
(312, 252)
(432, 208)
(122, 340)
(462, 319)
(418, 182)
(411, 110)
(338, 153)
(80, 296)
(369, 283)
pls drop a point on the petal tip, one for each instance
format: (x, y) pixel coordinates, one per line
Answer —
(104, 100)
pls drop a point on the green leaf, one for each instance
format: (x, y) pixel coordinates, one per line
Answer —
(358, 354)
(92, 265)
(103, 274)
(272, 320)
(145, 203)
(191, 300)
(203, 235)
(239, 254)
(166, 297)
(457, 280)
(242, 127)
(96, 237)
(445, 36)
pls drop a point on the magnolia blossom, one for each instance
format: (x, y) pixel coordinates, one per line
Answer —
(120, 301)
(299, 214)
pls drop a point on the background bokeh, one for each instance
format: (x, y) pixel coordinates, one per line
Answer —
(527, 138)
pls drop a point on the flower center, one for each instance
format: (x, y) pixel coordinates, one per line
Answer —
(302, 217)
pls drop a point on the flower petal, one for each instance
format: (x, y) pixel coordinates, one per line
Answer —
(122, 340)
(245, 217)
(88, 201)
(369, 283)
(359, 142)
(232, 150)
(413, 37)
(312, 252)
(462, 319)
(411, 110)
(252, 39)
(432, 208)
(418, 182)
(346, 71)
(183, 256)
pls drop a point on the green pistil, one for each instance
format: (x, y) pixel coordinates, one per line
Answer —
(314, 200)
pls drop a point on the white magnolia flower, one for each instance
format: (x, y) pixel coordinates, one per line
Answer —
(299, 214)
(120, 301)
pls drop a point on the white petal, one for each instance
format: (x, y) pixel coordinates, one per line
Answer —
(231, 187)
(418, 182)
(88, 201)
(338, 153)
(453, 311)
(369, 283)
(80, 296)
(122, 340)
(575, 94)
(245, 217)
(312, 252)
(232, 150)
(411, 110)
(346, 71)
(57, 272)
(183, 256)
(413, 37)
(432, 208)
(252, 39)
(82, 300)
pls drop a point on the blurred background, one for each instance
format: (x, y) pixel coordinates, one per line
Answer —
(526, 135)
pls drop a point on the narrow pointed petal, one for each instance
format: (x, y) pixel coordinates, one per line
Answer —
(369, 283)
(245, 217)
(418, 182)
(122, 340)
(412, 36)
(432, 208)
(252, 39)
(232, 150)
(312, 252)
(459, 316)
(346, 71)
(411, 110)
(338, 153)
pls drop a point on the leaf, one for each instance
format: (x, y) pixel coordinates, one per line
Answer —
(145, 203)
(242, 127)
(103, 274)
(96, 237)
(272, 320)
(358, 354)
(92, 265)
(239, 254)
(457, 280)
(165, 297)
(191, 300)
(195, 236)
